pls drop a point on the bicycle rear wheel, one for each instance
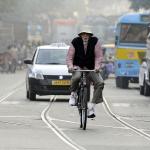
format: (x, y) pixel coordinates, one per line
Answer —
(83, 110)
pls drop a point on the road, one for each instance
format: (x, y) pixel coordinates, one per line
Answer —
(122, 122)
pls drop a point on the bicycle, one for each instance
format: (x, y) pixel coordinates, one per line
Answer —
(82, 98)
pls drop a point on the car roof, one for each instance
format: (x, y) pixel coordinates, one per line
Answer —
(54, 46)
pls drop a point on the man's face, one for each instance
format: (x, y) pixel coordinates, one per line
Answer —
(85, 37)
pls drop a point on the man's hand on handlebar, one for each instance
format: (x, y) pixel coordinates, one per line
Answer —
(70, 70)
(97, 70)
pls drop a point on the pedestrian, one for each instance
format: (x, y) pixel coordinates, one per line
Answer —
(85, 52)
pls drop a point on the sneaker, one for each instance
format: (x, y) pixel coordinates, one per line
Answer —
(91, 110)
(91, 116)
(72, 99)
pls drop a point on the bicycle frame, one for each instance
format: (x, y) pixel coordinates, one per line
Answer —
(83, 98)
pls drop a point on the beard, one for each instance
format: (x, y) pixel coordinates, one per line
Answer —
(85, 41)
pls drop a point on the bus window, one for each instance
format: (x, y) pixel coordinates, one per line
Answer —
(133, 33)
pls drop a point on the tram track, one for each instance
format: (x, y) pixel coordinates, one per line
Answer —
(49, 122)
(118, 118)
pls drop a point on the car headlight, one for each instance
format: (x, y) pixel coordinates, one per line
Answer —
(36, 75)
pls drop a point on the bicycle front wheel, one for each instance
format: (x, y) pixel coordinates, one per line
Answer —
(83, 111)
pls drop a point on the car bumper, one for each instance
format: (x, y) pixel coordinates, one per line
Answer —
(45, 87)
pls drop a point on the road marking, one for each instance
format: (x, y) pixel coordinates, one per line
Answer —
(71, 122)
(121, 104)
(19, 116)
(10, 102)
(8, 95)
(11, 93)
(123, 97)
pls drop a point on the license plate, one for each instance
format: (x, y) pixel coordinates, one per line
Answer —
(60, 82)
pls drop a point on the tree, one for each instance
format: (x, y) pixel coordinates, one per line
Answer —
(137, 4)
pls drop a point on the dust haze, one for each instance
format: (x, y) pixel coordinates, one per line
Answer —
(26, 24)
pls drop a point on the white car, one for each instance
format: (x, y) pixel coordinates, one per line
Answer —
(47, 72)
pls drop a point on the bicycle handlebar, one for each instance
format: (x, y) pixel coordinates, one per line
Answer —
(82, 70)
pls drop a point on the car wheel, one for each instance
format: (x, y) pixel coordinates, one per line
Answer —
(27, 94)
(124, 83)
(32, 96)
(118, 82)
(146, 89)
(141, 90)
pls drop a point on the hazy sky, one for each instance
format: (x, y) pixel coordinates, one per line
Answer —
(110, 7)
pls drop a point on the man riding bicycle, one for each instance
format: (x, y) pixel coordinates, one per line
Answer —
(85, 52)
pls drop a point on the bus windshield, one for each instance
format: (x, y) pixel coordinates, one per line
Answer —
(133, 33)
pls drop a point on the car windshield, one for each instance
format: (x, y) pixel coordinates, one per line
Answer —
(133, 33)
(51, 56)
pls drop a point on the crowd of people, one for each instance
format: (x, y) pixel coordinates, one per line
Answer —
(12, 58)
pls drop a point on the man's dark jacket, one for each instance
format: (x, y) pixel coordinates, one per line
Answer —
(81, 59)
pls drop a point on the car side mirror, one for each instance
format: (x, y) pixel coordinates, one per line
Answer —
(28, 61)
